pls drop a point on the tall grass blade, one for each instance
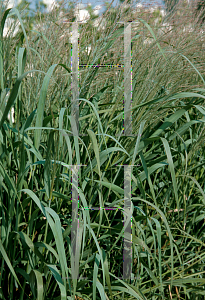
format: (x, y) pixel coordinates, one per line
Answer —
(171, 166)
(36, 275)
(5, 257)
(41, 105)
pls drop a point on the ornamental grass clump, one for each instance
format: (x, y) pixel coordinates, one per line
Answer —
(38, 150)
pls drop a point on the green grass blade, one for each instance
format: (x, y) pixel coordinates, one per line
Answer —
(58, 278)
(41, 105)
(39, 279)
(171, 167)
(12, 98)
(2, 50)
(198, 185)
(95, 274)
(168, 229)
(130, 289)
(3, 252)
(159, 251)
(107, 276)
(193, 67)
(47, 166)
(169, 122)
(51, 249)
(137, 142)
(152, 33)
(13, 12)
(111, 186)
(101, 290)
(147, 173)
(95, 148)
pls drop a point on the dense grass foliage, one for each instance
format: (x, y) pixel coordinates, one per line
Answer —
(38, 149)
